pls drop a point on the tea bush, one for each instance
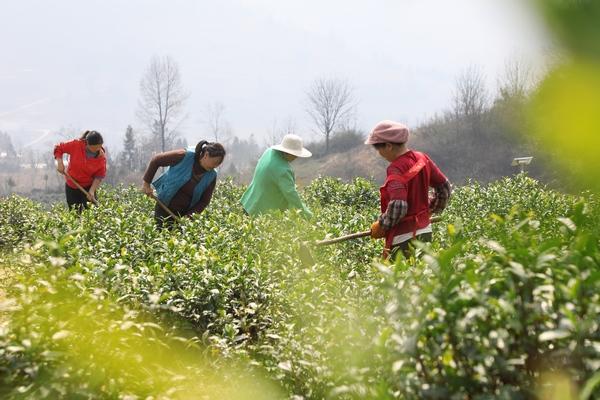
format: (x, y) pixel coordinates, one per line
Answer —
(68, 339)
(508, 290)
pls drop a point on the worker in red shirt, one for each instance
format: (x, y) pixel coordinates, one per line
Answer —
(405, 204)
(87, 166)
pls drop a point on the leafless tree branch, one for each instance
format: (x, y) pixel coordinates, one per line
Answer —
(330, 104)
(470, 94)
(162, 99)
(217, 126)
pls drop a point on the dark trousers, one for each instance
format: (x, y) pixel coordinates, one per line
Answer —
(407, 248)
(76, 199)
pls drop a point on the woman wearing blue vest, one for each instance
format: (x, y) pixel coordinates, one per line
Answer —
(187, 185)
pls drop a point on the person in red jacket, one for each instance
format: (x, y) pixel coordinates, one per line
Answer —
(405, 204)
(87, 166)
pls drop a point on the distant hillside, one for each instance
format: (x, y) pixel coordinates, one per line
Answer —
(460, 157)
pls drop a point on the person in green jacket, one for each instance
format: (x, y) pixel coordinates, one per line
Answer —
(273, 185)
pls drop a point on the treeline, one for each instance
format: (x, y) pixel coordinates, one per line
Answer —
(479, 136)
(476, 138)
(127, 166)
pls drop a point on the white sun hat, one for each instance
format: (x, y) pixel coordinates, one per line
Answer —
(292, 144)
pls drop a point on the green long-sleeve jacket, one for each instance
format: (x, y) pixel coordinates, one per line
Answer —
(273, 186)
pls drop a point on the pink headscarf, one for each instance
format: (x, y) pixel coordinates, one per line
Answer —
(388, 132)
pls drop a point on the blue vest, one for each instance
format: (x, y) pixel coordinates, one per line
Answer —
(169, 183)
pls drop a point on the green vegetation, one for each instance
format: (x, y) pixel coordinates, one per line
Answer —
(103, 305)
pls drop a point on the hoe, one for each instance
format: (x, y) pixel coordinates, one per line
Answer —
(87, 194)
(164, 207)
(306, 257)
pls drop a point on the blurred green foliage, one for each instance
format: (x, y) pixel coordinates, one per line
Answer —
(67, 339)
(565, 109)
(575, 23)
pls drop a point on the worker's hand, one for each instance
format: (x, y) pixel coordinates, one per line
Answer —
(91, 196)
(434, 206)
(147, 189)
(377, 232)
(60, 166)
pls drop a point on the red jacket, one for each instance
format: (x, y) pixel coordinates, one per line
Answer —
(84, 170)
(416, 172)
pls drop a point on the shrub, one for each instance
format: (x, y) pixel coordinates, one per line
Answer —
(508, 290)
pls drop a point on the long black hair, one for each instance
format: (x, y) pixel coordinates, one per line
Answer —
(213, 149)
(92, 138)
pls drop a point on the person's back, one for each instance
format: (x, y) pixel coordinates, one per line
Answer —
(263, 192)
(415, 192)
(273, 185)
(405, 204)
(417, 188)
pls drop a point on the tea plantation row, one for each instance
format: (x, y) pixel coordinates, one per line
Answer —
(504, 304)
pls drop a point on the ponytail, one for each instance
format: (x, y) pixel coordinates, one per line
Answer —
(92, 138)
(212, 148)
(200, 149)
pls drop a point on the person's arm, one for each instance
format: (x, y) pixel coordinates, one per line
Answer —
(60, 149)
(287, 185)
(92, 191)
(441, 187)
(396, 210)
(98, 176)
(441, 196)
(204, 199)
(398, 206)
(60, 165)
(165, 159)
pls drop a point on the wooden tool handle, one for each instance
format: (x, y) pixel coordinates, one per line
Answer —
(87, 194)
(343, 238)
(164, 207)
(358, 235)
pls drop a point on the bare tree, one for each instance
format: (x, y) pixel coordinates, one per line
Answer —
(470, 93)
(162, 99)
(515, 85)
(516, 81)
(330, 103)
(217, 125)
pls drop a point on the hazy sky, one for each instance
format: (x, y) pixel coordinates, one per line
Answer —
(78, 63)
